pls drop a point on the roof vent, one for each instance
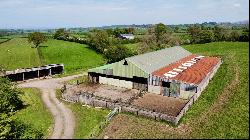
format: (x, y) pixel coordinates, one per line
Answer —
(187, 64)
(125, 62)
(179, 70)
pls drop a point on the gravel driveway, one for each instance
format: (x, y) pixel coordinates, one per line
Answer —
(64, 120)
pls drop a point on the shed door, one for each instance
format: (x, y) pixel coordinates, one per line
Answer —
(166, 88)
(140, 83)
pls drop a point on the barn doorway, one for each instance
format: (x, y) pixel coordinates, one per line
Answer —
(140, 83)
(166, 88)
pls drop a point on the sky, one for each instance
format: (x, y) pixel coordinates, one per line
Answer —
(93, 13)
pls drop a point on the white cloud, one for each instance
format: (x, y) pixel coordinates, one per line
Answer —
(237, 5)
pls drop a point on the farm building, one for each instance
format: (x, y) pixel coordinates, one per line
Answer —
(34, 72)
(127, 36)
(173, 72)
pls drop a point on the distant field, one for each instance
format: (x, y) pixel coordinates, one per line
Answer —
(222, 110)
(74, 56)
(17, 53)
(35, 113)
(133, 47)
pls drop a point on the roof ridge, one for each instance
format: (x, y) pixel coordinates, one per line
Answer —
(154, 51)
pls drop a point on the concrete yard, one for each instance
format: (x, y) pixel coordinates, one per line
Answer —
(108, 92)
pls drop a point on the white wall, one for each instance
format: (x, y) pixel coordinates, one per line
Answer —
(102, 80)
(186, 94)
(115, 82)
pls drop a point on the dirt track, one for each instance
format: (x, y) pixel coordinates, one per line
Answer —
(64, 120)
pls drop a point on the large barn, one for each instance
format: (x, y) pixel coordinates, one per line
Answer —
(173, 72)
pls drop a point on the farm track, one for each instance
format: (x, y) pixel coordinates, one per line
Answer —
(64, 120)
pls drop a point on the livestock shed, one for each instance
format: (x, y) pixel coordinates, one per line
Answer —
(173, 72)
(34, 72)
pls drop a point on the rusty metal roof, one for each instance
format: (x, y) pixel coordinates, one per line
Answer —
(193, 74)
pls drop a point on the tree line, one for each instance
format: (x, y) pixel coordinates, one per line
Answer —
(158, 36)
(219, 33)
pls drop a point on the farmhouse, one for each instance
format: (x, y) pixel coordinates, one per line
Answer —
(173, 72)
(127, 36)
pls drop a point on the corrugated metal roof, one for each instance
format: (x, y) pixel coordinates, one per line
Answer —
(108, 66)
(152, 61)
(194, 74)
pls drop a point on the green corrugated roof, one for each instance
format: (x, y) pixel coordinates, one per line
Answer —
(101, 67)
(152, 61)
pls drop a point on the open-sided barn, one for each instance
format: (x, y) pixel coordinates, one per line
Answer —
(171, 72)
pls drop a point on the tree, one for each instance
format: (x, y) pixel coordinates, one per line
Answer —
(36, 38)
(99, 40)
(206, 36)
(9, 96)
(160, 29)
(245, 35)
(220, 33)
(234, 36)
(117, 53)
(10, 102)
(194, 32)
(61, 33)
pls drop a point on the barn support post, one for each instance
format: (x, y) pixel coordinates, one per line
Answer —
(49, 71)
(23, 76)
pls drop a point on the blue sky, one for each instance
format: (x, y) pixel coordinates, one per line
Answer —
(89, 13)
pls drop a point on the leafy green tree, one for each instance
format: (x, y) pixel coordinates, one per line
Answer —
(61, 33)
(245, 35)
(160, 29)
(10, 102)
(110, 31)
(9, 97)
(117, 53)
(206, 36)
(99, 40)
(37, 38)
(234, 36)
(220, 33)
(194, 31)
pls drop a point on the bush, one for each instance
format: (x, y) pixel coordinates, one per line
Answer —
(206, 36)
(9, 104)
(9, 97)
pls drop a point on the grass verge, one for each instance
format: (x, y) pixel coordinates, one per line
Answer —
(35, 113)
(87, 118)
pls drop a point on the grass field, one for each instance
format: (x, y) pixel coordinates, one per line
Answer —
(222, 110)
(2, 40)
(87, 118)
(74, 56)
(132, 47)
(35, 113)
(17, 53)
